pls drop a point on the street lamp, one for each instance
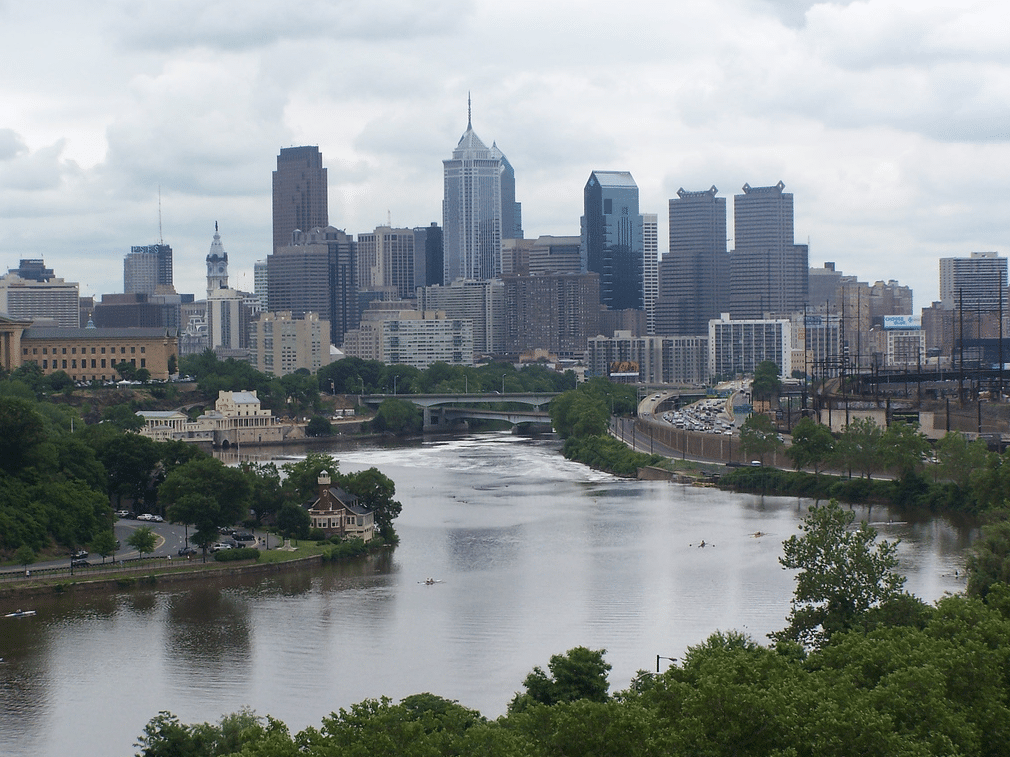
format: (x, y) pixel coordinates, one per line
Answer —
(503, 383)
(660, 657)
(395, 377)
(332, 390)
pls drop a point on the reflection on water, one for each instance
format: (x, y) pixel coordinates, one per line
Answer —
(532, 555)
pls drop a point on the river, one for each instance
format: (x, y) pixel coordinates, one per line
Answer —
(532, 555)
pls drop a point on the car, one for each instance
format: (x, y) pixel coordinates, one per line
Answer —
(124, 514)
(79, 563)
(145, 516)
(157, 519)
(242, 536)
(219, 546)
(79, 554)
(187, 551)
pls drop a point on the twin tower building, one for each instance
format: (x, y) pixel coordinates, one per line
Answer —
(697, 280)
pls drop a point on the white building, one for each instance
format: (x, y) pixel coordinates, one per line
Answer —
(237, 418)
(737, 347)
(649, 359)
(482, 302)
(280, 344)
(411, 337)
(29, 300)
(650, 267)
(977, 283)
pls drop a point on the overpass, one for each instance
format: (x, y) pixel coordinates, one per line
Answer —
(442, 410)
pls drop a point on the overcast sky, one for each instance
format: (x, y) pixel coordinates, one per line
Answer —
(887, 119)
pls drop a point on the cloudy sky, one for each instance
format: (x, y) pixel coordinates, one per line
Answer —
(887, 119)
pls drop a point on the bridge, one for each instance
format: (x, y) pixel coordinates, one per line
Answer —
(442, 410)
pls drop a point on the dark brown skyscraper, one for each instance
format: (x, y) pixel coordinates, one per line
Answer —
(299, 193)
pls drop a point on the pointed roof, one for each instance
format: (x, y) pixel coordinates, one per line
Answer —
(216, 248)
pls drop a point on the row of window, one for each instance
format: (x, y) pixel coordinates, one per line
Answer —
(84, 363)
(84, 350)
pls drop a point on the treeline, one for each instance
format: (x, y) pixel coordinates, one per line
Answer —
(954, 475)
(582, 416)
(61, 479)
(861, 668)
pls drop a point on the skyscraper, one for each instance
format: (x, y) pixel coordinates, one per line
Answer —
(478, 209)
(299, 193)
(386, 261)
(650, 268)
(768, 272)
(612, 238)
(976, 283)
(146, 268)
(693, 275)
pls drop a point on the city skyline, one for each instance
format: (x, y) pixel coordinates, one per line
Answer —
(884, 118)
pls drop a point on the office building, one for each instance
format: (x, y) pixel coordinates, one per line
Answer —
(428, 255)
(694, 274)
(280, 343)
(228, 317)
(260, 275)
(316, 274)
(736, 347)
(650, 268)
(146, 268)
(768, 272)
(556, 312)
(50, 299)
(612, 238)
(299, 193)
(975, 283)
(481, 302)
(217, 264)
(136, 310)
(385, 260)
(625, 358)
(478, 210)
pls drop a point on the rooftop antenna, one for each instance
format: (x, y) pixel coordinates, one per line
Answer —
(469, 123)
(161, 239)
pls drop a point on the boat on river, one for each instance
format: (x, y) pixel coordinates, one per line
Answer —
(20, 614)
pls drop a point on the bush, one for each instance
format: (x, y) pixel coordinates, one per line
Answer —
(349, 548)
(242, 553)
(317, 534)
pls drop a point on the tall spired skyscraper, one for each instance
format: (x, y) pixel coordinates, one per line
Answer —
(299, 193)
(479, 209)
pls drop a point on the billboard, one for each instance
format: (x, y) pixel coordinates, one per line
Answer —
(907, 322)
(624, 369)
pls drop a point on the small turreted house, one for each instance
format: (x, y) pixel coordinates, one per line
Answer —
(335, 511)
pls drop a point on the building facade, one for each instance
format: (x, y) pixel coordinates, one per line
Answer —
(736, 347)
(148, 267)
(299, 193)
(237, 418)
(768, 272)
(386, 260)
(217, 264)
(612, 238)
(975, 283)
(625, 358)
(52, 299)
(478, 209)
(417, 338)
(650, 268)
(480, 302)
(428, 255)
(556, 312)
(280, 343)
(694, 275)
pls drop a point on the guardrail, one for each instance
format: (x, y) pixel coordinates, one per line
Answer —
(132, 564)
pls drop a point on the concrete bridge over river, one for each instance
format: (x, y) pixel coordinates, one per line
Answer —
(442, 411)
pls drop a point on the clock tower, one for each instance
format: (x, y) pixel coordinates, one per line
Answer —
(217, 265)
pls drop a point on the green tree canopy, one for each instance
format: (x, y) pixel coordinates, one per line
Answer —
(580, 673)
(375, 491)
(758, 436)
(858, 448)
(766, 384)
(143, 540)
(842, 574)
(989, 560)
(957, 458)
(301, 479)
(902, 448)
(206, 494)
(813, 445)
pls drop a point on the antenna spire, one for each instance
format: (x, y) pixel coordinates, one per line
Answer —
(161, 238)
(469, 123)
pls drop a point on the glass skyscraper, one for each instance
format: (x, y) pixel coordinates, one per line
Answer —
(299, 193)
(478, 209)
(612, 240)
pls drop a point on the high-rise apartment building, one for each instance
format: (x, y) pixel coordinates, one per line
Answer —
(280, 344)
(736, 347)
(693, 276)
(650, 268)
(260, 282)
(386, 261)
(556, 312)
(768, 272)
(975, 283)
(51, 299)
(299, 193)
(612, 238)
(482, 302)
(146, 268)
(217, 265)
(478, 210)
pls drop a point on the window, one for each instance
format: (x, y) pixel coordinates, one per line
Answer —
(133, 350)
(64, 363)
(608, 206)
(93, 366)
(122, 350)
(45, 364)
(73, 350)
(143, 350)
(103, 350)
(73, 363)
(103, 364)
(64, 350)
(45, 351)
(143, 362)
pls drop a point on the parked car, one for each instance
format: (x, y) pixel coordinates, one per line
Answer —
(244, 537)
(79, 563)
(145, 516)
(187, 551)
(219, 546)
(157, 519)
(79, 554)
(124, 514)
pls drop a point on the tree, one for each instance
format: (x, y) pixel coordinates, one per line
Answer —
(398, 417)
(22, 430)
(957, 458)
(130, 461)
(842, 574)
(375, 491)
(267, 491)
(294, 521)
(318, 426)
(580, 673)
(105, 544)
(812, 445)
(766, 383)
(989, 560)
(579, 412)
(859, 447)
(127, 370)
(758, 436)
(123, 417)
(206, 494)
(143, 540)
(24, 556)
(902, 448)
(301, 479)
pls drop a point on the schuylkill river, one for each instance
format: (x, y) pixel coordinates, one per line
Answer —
(533, 554)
